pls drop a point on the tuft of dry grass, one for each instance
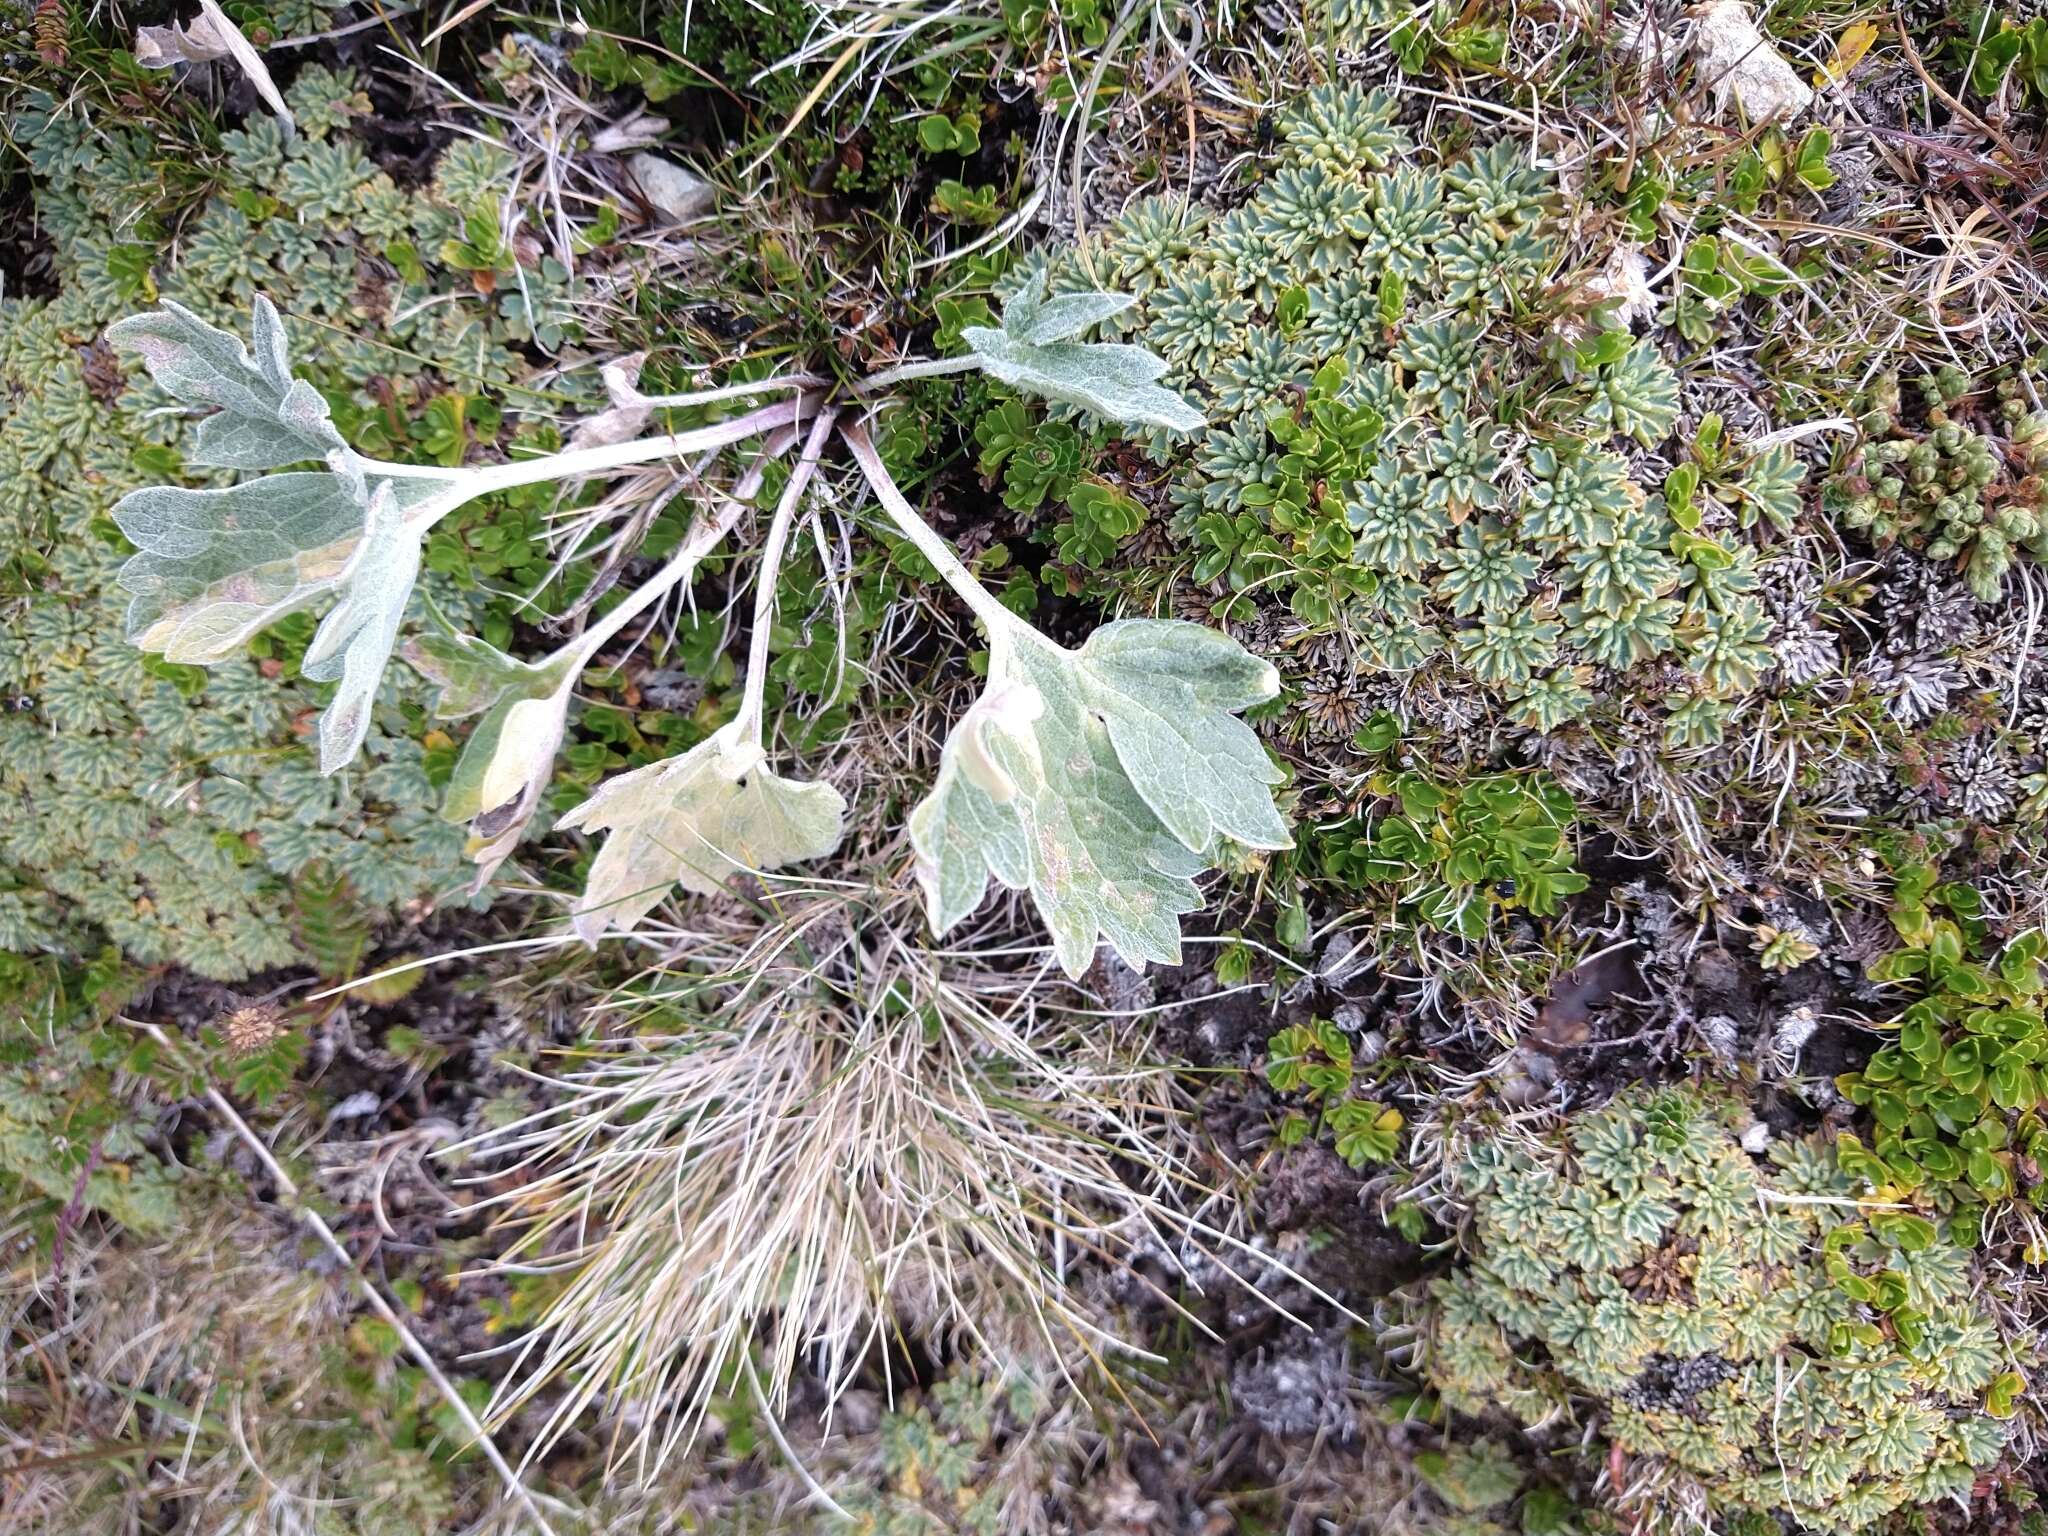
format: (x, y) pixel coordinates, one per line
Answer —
(809, 1130)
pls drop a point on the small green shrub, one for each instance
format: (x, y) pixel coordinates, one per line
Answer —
(1461, 854)
(1957, 1097)
(1314, 1062)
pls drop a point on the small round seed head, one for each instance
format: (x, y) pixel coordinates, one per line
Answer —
(250, 1028)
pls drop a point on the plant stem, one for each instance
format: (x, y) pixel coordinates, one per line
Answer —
(748, 721)
(702, 538)
(995, 618)
(925, 370)
(487, 478)
(797, 381)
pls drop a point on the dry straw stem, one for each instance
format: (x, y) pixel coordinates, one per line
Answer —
(816, 1130)
(368, 1289)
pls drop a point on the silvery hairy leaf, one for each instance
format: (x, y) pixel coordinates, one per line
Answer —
(264, 418)
(1115, 381)
(214, 567)
(354, 641)
(1032, 318)
(509, 758)
(1101, 781)
(697, 820)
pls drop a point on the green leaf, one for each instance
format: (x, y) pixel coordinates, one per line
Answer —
(1545, 1511)
(1903, 1230)
(1234, 965)
(471, 674)
(333, 927)
(1810, 164)
(1380, 731)
(1287, 1058)
(1167, 691)
(1471, 1478)
(1603, 349)
(1993, 57)
(1028, 317)
(1987, 1174)
(1100, 780)
(1115, 381)
(1963, 1065)
(696, 820)
(1366, 1132)
(2014, 1086)
(354, 641)
(2020, 965)
(1899, 965)
(264, 417)
(1920, 1038)
(262, 1076)
(2001, 1398)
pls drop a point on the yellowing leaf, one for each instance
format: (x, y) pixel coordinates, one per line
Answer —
(509, 758)
(214, 567)
(1855, 41)
(696, 821)
(387, 989)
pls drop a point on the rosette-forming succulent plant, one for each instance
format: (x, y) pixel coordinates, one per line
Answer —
(1739, 1321)
(1954, 470)
(1397, 450)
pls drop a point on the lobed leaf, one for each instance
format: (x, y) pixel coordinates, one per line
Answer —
(1169, 693)
(212, 568)
(1115, 381)
(509, 758)
(472, 674)
(1100, 780)
(697, 820)
(1029, 317)
(264, 418)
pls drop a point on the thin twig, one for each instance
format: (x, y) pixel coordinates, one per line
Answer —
(817, 1489)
